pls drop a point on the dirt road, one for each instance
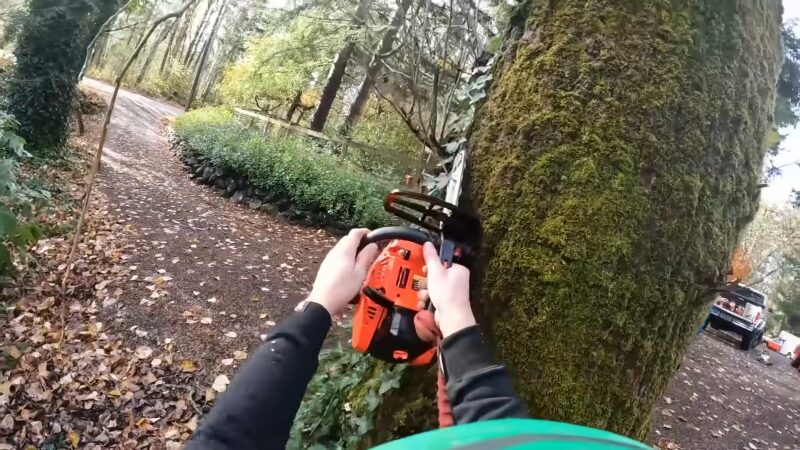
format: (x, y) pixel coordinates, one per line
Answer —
(722, 398)
(211, 276)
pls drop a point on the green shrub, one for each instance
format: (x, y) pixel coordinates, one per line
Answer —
(288, 167)
(15, 200)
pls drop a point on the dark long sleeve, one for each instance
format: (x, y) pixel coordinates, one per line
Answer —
(257, 410)
(478, 387)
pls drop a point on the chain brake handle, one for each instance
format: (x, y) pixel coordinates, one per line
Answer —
(397, 232)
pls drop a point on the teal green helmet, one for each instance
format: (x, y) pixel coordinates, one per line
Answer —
(517, 434)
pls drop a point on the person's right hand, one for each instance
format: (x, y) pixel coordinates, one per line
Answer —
(448, 289)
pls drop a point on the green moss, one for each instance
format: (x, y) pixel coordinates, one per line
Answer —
(613, 166)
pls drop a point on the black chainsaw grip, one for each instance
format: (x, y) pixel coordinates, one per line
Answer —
(398, 232)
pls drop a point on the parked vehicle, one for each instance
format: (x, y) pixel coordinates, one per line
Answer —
(741, 310)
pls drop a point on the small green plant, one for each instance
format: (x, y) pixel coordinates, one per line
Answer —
(342, 400)
(16, 200)
(292, 168)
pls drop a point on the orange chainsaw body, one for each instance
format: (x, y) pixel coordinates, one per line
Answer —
(383, 324)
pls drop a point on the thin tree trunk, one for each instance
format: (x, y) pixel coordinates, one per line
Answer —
(216, 72)
(97, 56)
(203, 57)
(161, 37)
(613, 183)
(337, 73)
(183, 32)
(200, 30)
(293, 106)
(134, 31)
(375, 65)
(79, 119)
(168, 50)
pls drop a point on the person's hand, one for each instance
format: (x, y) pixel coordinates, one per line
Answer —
(448, 289)
(342, 272)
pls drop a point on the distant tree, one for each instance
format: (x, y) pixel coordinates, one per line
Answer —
(277, 67)
(203, 56)
(336, 74)
(788, 99)
(375, 66)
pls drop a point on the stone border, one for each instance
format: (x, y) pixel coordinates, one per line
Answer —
(238, 189)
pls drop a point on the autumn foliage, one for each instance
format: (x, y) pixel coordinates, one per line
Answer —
(741, 266)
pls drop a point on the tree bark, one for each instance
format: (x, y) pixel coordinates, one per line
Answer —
(203, 57)
(374, 67)
(337, 73)
(613, 168)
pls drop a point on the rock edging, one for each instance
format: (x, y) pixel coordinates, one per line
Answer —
(238, 189)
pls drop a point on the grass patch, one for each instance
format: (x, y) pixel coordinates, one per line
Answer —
(292, 168)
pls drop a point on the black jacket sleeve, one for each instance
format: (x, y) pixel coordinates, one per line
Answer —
(478, 387)
(257, 409)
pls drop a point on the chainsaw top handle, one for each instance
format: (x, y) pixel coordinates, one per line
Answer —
(398, 232)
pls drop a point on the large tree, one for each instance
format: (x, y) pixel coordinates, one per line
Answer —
(614, 165)
(50, 49)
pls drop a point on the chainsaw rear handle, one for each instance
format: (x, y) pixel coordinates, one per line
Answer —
(398, 232)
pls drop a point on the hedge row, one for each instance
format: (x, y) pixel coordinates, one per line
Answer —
(291, 168)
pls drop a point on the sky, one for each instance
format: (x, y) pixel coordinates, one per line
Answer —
(779, 190)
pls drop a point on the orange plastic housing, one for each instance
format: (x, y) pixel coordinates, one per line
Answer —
(397, 274)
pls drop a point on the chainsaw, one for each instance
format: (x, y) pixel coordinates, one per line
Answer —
(388, 323)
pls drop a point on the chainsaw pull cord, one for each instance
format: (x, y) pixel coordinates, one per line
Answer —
(425, 325)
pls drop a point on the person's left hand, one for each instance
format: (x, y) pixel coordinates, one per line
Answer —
(342, 272)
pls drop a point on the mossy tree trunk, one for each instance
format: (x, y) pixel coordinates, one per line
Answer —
(50, 48)
(613, 166)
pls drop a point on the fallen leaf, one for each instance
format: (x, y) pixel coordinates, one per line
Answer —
(74, 438)
(143, 352)
(188, 366)
(270, 323)
(220, 383)
(227, 361)
(13, 352)
(231, 334)
(212, 300)
(240, 355)
(205, 320)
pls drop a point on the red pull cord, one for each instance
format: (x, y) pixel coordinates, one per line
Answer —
(427, 330)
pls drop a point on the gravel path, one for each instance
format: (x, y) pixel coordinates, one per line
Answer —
(723, 398)
(207, 274)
